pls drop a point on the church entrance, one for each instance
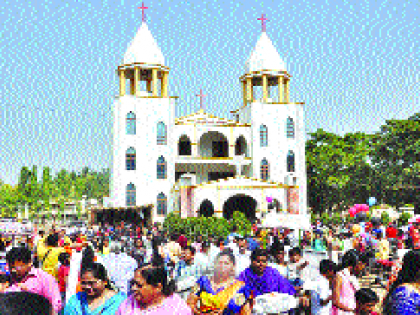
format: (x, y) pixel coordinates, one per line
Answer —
(206, 209)
(242, 203)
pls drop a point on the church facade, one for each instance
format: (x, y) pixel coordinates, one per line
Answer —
(202, 164)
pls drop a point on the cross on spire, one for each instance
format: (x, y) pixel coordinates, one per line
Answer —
(143, 16)
(201, 95)
(263, 19)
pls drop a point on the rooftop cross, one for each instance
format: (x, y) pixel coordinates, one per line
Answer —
(201, 95)
(263, 19)
(143, 18)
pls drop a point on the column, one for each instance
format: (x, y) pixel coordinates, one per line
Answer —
(286, 90)
(249, 94)
(149, 85)
(165, 84)
(122, 82)
(154, 82)
(137, 81)
(281, 89)
(264, 83)
(133, 86)
(244, 92)
(231, 143)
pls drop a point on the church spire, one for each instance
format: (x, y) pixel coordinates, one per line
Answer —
(265, 68)
(144, 61)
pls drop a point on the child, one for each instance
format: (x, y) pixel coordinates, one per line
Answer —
(63, 272)
(321, 296)
(4, 282)
(366, 300)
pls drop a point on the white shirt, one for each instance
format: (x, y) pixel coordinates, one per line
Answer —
(205, 262)
(293, 272)
(322, 291)
(243, 261)
(234, 248)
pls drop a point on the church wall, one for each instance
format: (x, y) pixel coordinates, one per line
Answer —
(148, 111)
(219, 196)
(274, 117)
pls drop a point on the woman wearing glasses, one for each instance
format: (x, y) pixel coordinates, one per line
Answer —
(97, 296)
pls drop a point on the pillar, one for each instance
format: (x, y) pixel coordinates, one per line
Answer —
(194, 149)
(286, 90)
(249, 94)
(149, 86)
(165, 84)
(154, 82)
(122, 82)
(137, 81)
(265, 84)
(133, 86)
(244, 96)
(281, 89)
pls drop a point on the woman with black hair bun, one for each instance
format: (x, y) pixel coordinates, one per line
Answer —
(404, 294)
(97, 295)
(153, 293)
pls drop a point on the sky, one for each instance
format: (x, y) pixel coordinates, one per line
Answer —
(355, 64)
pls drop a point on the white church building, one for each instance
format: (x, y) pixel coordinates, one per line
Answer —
(201, 164)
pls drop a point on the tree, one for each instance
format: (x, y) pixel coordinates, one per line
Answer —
(385, 218)
(46, 190)
(337, 169)
(8, 200)
(396, 158)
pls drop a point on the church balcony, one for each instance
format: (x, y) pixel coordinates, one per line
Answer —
(205, 159)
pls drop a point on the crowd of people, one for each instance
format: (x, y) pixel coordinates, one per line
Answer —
(127, 269)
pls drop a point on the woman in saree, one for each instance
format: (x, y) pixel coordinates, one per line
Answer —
(153, 293)
(97, 296)
(221, 294)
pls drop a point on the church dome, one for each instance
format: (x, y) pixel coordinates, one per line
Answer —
(265, 56)
(144, 48)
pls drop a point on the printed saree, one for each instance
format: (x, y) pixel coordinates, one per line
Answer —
(230, 298)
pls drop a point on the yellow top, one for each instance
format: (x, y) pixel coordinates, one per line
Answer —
(50, 264)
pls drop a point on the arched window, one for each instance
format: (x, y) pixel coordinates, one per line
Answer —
(265, 172)
(131, 123)
(161, 204)
(184, 146)
(131, 195)
(263, 136)
(290, 128)
(161, 168)
(130, 159)
(290, 161)
(161, 133)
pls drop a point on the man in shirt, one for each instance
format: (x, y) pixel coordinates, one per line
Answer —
(120, 267)
(204, 259)
(243, 256)
(321, 295)
(296, 267)
(186, 272)
(25, 277)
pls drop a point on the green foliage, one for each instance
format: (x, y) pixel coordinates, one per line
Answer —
(207, 226)
(404, 217)
(385, 218)
(396, 157)
(65, 186)
(336, 218)
(337, 169)
(325, 218)
(313, 218)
